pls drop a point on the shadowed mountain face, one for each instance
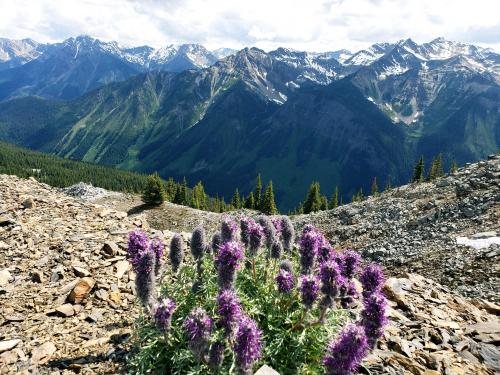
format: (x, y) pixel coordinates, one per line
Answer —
(292, 116)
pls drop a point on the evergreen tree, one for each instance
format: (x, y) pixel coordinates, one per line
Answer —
(334, 202)
(258, 193)
(268, 204)
(436, 169)
(313, 199)
(250, 201)
(171, 189)
(199, 198)
(236, 200)
(419, 171)
(324, 203)
(374, 188)
(181, 194)
(154, 192)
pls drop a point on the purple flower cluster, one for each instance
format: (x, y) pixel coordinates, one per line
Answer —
(325, 252)
(198, 326)
(137, 244)
(198, 243)
(351, 262)
(372, 279)
(245, 224)
(176, 253)
(229, 310)
(247, 344)
(227, 261)
(145, 278)
(287, 233)
(276, 249)
(310, 242)
(228, 229)
(278, 225)
(349, 294)
(256, 236)
(285, 281)
(269, 230)
(374, 317)
(216, 242)
(163, 314)
(309, 289)
(345, 354)
(331, 278)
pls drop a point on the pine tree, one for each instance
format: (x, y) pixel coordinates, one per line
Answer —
(250, 201)
(436, 169)
(181, 195)
(374, 188)
(170, 190)
(419, 171)
(236, 200)
(154, 192)
(313, 200)
(199, 197)
(324, 203)
(268, 204)
(258, 193)
(334, 202)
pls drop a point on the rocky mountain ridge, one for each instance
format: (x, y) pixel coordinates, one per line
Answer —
(67, 292)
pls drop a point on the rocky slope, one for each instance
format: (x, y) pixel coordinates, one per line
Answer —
(67, 294)
(423, 228)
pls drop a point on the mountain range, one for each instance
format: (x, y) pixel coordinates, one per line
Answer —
(338, 117)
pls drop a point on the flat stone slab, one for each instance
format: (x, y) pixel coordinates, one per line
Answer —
(266, 370)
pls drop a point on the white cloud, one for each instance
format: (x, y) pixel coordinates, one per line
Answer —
(306, 25)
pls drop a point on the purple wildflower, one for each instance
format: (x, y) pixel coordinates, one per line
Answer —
(228, 229)
(278, 225)
(285, 281)
(198, 326)
(372, 279)
(256, 234)
(269, 230)
(230, 253)
(374, 317)
(229, 310)
(345, 354)
(287, 233)
(309, 244)
(216, 355)
(352, 259)
(247, 344)
(325, 252)
(276, 249)
(309, 228)
(137, 243)
(145, 278)
(176, 254)
(349, 294)
(245, 225)
(216, 241)
(198, 243)
(309, 289)
(163, 315)
(331, 279)
(158, 248)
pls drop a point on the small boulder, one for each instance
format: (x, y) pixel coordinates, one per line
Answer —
(110, 248)
(81, 290)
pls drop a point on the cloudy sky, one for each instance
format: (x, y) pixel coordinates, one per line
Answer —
(313, 25)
